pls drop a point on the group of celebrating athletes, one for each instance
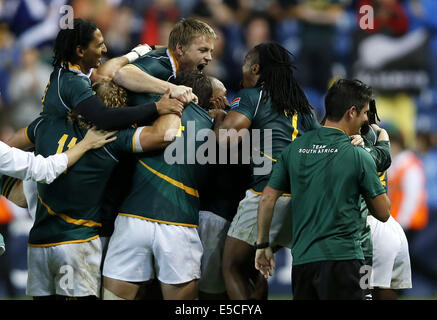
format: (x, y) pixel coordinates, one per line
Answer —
(131, 225)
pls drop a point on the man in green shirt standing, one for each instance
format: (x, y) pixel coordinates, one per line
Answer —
(326, 175)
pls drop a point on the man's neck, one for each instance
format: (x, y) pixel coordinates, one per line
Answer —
(85, 70)
(341, 125)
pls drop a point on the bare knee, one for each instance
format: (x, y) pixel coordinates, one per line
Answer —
(121, 289)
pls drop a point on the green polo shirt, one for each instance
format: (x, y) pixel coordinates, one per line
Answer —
(326, 175)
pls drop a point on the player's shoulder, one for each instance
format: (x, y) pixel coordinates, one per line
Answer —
(194, 110)
(154, 56)
(246, 97)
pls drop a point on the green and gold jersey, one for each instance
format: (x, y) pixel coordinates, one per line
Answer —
(68, 209)
(326, 175)
(279, 128)
(158, 63)
(65, 90)
(166, 184)
(380, 152)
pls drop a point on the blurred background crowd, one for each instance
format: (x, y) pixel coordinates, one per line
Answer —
(392, 47)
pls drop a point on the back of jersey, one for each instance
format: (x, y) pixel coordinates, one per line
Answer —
(69, 208)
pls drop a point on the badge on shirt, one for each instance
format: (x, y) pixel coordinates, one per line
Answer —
(235, 102)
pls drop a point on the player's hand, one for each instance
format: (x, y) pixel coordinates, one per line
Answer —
(357, 140)
(376, 127)
(215, 112)
(167, 105)
(183, 94)
(220, 102)
(265, 261)
(95, 139)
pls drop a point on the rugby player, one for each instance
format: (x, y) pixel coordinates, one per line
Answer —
(68, 215)
(271, 100)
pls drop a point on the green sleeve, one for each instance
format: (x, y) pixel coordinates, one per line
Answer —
(380, 152)
(75, 89)
(125, 142)
(280, 178)
(245, 104)
(30, 130)
(152, 66)
(369, 182)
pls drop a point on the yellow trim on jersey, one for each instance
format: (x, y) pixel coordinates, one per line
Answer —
(133, 142)
(260, 193)
(158, 221)
(382, 178)
(63, 216)
(267, 156)
(27, 135)
(63, 242)
(294, 124)
(180, 185)
(75, 66)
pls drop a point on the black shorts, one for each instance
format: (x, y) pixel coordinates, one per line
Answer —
(328, 280)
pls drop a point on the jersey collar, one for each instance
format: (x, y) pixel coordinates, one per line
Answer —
(76, 69)
(173, 61)
(334, 128)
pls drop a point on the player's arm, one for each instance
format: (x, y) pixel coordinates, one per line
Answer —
(379, 207)
(26, 165)
(94, 139)
(108, 69)
(264, 259)
(230, 127)
(94, 110)
(12, 189)
(162, 132)
(136, 80)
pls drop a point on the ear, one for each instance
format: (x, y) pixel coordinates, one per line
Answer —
(79, 51)
(352, 111)
(179, 50)
(255, 68)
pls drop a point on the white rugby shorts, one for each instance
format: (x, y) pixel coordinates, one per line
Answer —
(391, 259)
(212, 233)
(71, 269)
(140, 250)
(244, 225)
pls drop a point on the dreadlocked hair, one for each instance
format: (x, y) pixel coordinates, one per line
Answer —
(276, 75)
(112, 95)
(67, 41)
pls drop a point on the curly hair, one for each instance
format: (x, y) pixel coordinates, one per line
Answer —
(112, 95)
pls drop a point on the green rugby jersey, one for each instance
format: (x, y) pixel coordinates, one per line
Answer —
(68, 209)
(380, 152)
(326, 175)
(65, 90)
(166, 184)
(257, 107)
(158, 63)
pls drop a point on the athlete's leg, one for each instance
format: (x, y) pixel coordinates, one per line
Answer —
(213, 296)
(384, 294)
(183, 291)
(238, 269)
(121, 289)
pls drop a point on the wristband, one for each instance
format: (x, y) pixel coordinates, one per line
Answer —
(262, 245)
(137, 52)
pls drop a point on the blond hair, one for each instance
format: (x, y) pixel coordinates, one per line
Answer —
(186, 30)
